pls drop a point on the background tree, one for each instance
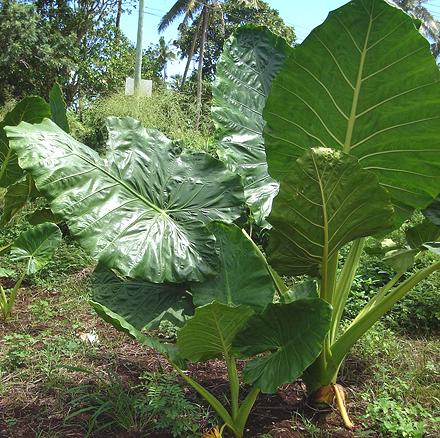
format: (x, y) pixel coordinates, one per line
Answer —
(165, 54)
(33, 54)
(430, 27)
(221, 26)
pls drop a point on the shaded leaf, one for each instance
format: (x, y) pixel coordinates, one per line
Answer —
(17, 196)
(120, 324)
(243, 276)
(432, 212)
(31, 109)
(142, 210)
(401, 259)
(421, 233)
(140, 303)
(43, 215)
(250, 60)
(291, 335)
(36, 246)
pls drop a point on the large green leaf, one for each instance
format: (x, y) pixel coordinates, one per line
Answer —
(36, 246)
(143, 209)
(140, 303)
(250, 60)
(30, 109)
(17, 196)
(58, 107)
(421, 233)
(243, 274)
(209, 334)
(291, 335)
(364, 82)
(326, 201)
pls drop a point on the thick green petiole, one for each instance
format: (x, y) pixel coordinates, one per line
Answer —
(236, 421)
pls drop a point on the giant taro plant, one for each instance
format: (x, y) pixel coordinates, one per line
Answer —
(351, 133)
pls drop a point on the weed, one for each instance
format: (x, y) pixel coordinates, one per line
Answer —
(18, 351)
(41, 310)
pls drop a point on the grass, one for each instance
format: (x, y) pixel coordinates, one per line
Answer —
(64, 372)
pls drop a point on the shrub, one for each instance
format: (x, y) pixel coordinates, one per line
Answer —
(170, 112)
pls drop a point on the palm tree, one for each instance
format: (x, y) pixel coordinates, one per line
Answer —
(430, 27)
(199, 10)
(165, 54)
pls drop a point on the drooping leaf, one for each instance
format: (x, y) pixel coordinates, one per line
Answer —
(401, 259)
(243, 276)
(58, 107)
(432, 212)
(120, 324)
(364, 82)
(433, 247)
(250, 60)
(143, 213)
(326, 201)
(210, 332)
(305, 290)
(421, 233)
(36, 246)
(43, 215)
(17, 196)
(140, 303)
(31, 109)
(291, 335)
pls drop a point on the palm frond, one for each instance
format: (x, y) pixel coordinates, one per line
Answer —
(179, 8)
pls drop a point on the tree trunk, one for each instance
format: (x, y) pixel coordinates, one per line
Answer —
(118, 15)
(200, 69)
(190, 54)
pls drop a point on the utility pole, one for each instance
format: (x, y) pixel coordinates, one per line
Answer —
(138, 64)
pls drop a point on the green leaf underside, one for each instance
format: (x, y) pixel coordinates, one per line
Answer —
(401, 259)
(140, 303)
(432, 212)
(422, 233)
(142, 210)
(243, 276)
(17, 196)
(31, 109)
(291, 335)
(36, 246)
(58, 107)
(122, 325)
(209, 334)
(250, 60)
(364, 82)
(326, 201)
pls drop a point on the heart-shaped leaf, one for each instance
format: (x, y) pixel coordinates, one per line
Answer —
(326, 201)
(250, 60)
(210, 332)
(58, 107)
(36, 246)
(363, 82)
(291, 335)
(142, 210)
(243, 274)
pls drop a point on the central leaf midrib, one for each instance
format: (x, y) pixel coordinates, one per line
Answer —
(122, 183)
(356, 91)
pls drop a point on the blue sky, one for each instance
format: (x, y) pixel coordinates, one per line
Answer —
(302, 15)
